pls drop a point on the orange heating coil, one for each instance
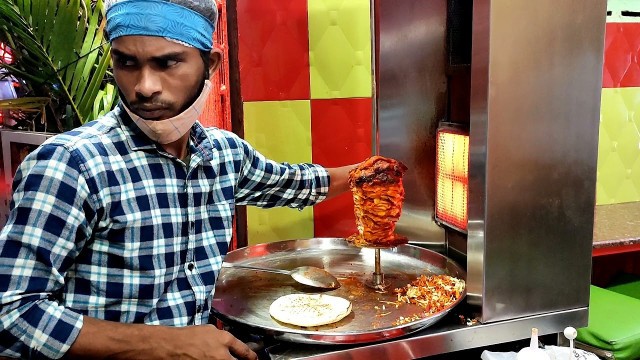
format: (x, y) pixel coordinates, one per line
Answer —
(452, 178)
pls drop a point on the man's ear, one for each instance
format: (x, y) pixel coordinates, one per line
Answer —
(215, 59)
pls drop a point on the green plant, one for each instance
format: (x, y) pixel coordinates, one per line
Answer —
(62, 56)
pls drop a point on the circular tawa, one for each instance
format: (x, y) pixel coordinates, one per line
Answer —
(242, 299)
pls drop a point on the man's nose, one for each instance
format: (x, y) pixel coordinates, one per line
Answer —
(148, 83)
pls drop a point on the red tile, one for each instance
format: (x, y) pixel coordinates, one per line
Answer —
(334, 217)
(621, 55)
(341, 134)
(273, 38)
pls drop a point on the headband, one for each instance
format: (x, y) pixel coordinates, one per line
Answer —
(160, 18)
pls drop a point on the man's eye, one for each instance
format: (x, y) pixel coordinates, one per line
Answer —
(170, 63)
(125, 62)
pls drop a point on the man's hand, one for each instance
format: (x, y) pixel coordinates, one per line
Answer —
(207, 342)
(339, 182)
(100, 339)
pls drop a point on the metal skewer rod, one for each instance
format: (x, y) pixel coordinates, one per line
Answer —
(378, 277)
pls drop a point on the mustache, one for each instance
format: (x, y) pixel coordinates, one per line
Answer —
(151, 103)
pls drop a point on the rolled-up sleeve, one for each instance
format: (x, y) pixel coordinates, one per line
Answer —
(46, 228)
(266, 183)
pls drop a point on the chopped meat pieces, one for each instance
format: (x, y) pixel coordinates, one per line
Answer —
(433, 293)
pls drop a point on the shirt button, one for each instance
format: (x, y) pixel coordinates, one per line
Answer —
(191, 266)
(199, 309)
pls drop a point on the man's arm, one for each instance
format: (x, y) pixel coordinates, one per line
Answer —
(48, 225)
(266, 183)
(51, 219)
(339, 182)
(100, 339)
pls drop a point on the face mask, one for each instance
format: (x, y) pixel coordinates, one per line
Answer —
(172, 129)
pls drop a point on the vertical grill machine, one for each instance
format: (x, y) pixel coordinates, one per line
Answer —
(494, 106)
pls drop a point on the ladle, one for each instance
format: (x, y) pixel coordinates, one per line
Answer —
(307, 275)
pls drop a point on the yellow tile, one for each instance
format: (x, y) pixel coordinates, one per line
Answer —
(619, 147)
(340, 48)
(281, 130)
(270, 225)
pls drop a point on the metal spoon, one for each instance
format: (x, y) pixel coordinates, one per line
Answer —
(308, 275)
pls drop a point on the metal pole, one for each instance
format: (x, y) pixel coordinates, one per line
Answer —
(378, 277)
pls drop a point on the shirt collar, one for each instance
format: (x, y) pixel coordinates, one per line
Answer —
(137, 140)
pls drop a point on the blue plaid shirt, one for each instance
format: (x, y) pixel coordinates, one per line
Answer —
(106, 224)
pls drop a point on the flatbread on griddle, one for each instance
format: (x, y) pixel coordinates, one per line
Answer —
(309, 310)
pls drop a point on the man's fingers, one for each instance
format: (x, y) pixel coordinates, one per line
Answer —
(241, 350)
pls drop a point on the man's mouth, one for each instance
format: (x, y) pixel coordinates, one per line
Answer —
(150, 112)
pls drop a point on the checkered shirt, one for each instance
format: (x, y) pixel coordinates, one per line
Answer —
(106, 224)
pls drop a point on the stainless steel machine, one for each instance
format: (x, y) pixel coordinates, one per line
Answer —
(522, 79)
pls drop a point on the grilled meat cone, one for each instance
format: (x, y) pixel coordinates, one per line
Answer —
(377, 190)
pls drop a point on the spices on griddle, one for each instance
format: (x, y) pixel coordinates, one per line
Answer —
(407, 319)
(433, 293)
(378, 194)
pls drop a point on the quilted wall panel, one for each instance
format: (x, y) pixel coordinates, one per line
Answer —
(340, 48)
(619, 147)
(619, 143)
(622, 55)
(341, 134)
(273, 49)
(281, 131)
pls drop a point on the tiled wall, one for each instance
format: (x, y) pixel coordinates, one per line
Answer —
(305, 69)
(619, 144)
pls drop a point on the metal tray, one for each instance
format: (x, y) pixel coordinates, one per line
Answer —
(242, 297)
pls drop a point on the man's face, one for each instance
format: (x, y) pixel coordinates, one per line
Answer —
(158, 78)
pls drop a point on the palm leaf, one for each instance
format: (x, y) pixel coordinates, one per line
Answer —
(25, 103)
(104, 101)
(61, 53)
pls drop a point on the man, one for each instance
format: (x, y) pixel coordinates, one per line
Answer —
(124, 222)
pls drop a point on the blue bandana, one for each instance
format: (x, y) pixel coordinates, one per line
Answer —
(160, 18)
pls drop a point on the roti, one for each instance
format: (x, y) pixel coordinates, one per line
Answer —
(308, 310)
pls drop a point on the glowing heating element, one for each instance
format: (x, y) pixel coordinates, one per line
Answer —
(452, 178)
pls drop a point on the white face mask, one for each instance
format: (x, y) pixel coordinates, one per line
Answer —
(172, 129)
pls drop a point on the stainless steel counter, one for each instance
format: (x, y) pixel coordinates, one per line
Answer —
(441, 338)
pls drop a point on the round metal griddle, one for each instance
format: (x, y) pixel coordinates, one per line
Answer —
(242, 297)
